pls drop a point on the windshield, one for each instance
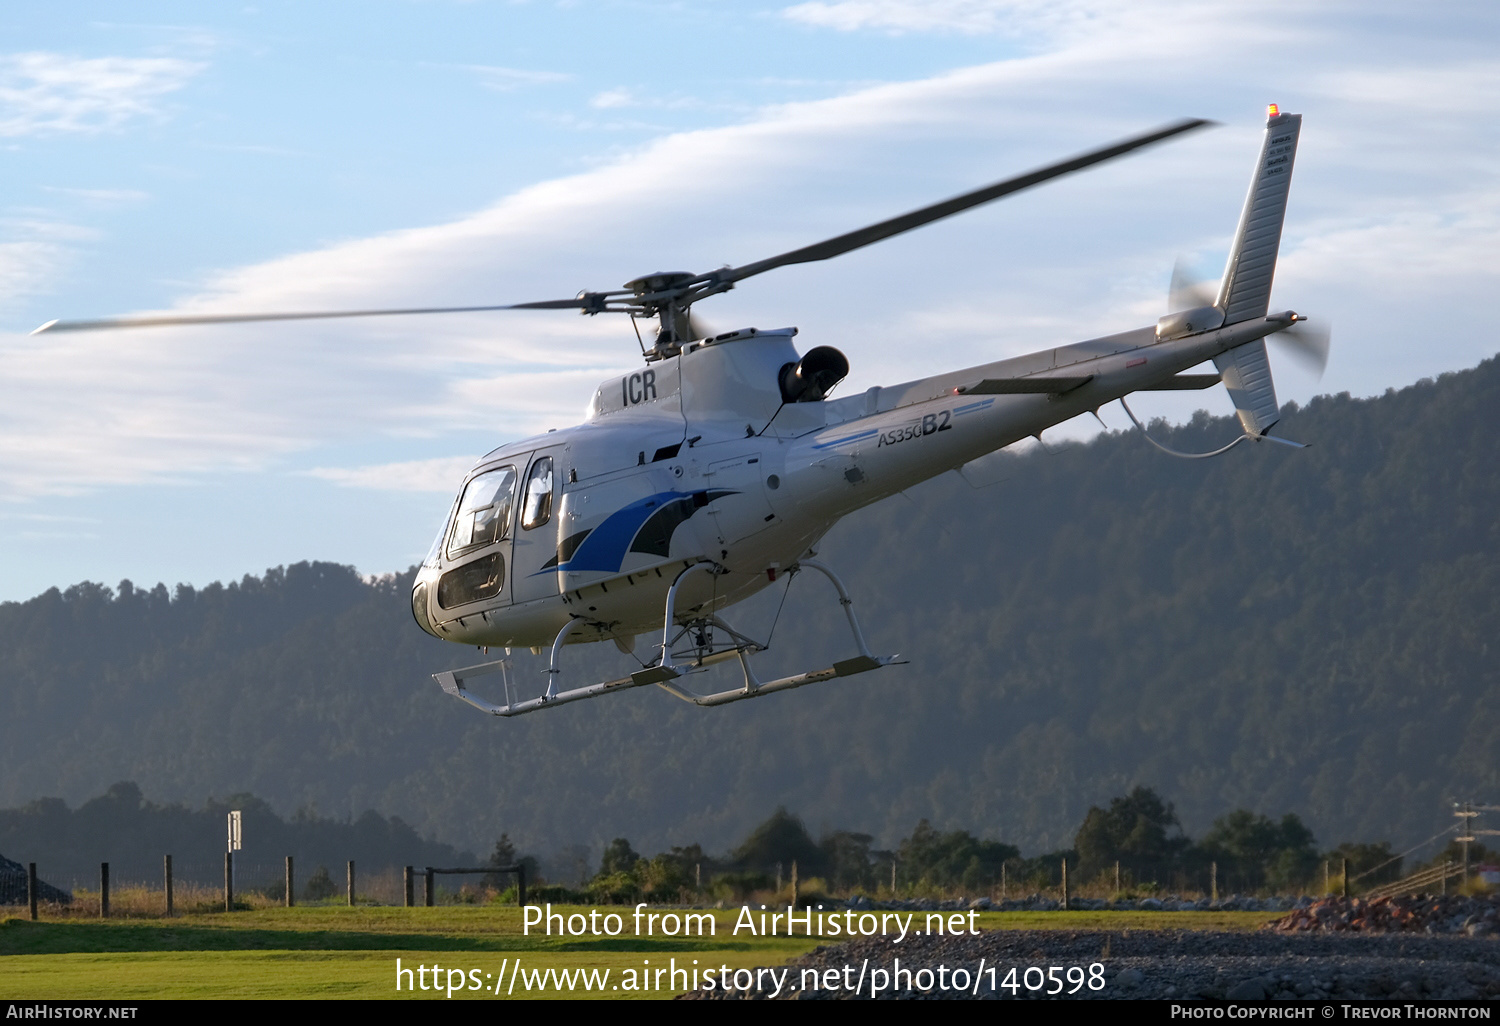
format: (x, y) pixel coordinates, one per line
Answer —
(483, 511)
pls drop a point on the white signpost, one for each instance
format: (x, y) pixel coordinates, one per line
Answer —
(233, 844)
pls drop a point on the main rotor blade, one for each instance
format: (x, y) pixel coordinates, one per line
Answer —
(1186, 291)
(109, 323)
(906, 222)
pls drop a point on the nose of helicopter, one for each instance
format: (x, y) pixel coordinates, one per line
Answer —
(421, 592)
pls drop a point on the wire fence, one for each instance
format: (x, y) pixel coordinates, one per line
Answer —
(254, 883)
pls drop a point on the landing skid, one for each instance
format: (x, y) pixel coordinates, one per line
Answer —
(686, 648)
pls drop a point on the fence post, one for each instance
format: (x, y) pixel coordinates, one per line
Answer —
(351, 883)
(229, 881)
(1065, 884)
(1344, 872)
(31, 887)
(521, 884)
(291, 884)
(166, 873)
(1117, 876)
(104, 890)
(406, 875)
(427, 887)
(1213, 881)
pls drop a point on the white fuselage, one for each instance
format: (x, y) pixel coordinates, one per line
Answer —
(696, 458)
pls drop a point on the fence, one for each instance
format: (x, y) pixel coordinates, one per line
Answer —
(253, 883)
(1421, 882)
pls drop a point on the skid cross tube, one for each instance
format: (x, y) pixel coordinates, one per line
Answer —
(671, 615)
(664, 672)
(754, 687)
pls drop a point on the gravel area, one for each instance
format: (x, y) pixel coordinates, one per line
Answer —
(1136, 964)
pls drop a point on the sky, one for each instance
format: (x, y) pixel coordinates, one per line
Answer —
(390, 153)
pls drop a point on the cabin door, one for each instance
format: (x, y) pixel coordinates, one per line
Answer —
(535, 539)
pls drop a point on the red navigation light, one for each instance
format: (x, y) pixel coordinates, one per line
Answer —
(1272, 111)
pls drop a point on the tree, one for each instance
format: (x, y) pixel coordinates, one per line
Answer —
(847, 857)
(1253, 852)
(956, 859)
(1139, 830)
(663, 876)
(505, 855)
(782, 839)
(619, 857)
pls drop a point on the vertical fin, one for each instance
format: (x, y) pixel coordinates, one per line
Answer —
(1245, 292)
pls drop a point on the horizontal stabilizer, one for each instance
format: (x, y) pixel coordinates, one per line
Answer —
(1027, 386)
(1184, 382)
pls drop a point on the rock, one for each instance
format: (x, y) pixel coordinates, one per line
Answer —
(1256, 988)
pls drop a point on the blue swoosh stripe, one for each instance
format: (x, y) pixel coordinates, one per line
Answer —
(604, 549)
(846, 438)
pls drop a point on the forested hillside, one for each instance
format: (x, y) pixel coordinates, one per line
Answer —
(1274, 630)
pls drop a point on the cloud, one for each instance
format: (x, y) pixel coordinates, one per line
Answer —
(612, 99)
(965, 17)
(506, 80)
(1383, 194)
(45, 93)
(33, 250)
(442, 474)
(107, 198)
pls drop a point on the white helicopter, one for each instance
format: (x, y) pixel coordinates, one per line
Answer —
(699, 479)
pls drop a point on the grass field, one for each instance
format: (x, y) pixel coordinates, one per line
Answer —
(342, 952)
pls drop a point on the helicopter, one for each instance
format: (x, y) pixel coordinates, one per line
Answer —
(715, 468)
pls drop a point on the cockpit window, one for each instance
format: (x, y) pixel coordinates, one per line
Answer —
(483, 512)
(536, 507)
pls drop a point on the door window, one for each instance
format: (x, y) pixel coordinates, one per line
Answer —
(536, 507)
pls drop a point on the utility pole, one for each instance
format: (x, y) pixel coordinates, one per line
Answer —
(1466, 816)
